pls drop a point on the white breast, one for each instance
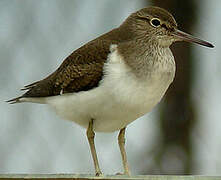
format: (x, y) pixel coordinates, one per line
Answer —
(120, 98)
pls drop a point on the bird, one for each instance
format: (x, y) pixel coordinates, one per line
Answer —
(114, 79)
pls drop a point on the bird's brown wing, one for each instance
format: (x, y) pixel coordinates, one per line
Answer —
(80, 71)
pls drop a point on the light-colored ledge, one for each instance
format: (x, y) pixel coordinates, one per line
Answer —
(84, 177)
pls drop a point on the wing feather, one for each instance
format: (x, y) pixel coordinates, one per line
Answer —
(80, 71)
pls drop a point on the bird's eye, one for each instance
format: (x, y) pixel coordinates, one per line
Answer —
(155, 22)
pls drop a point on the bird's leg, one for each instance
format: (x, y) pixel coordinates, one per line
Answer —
(121, 142)
(90, 136)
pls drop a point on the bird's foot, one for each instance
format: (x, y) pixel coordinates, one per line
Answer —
(98, 173)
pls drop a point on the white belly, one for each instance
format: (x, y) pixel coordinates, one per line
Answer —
(120, 98)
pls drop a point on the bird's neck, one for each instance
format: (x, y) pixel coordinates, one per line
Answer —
(145, 57)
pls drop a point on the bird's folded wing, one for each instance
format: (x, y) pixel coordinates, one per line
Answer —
(80, 71)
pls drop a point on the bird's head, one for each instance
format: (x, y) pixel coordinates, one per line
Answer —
(159, 26)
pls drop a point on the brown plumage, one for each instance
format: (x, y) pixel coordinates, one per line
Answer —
(80, 71)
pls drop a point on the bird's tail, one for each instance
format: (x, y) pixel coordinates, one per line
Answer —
(37, 92)
(32, 95)
(39, 100)
(14, 100)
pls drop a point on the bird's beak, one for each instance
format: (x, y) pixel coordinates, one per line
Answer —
(182, 36)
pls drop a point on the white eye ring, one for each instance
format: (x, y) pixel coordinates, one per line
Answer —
(155, 22)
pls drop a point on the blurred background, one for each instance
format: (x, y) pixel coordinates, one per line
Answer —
(182, 135)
